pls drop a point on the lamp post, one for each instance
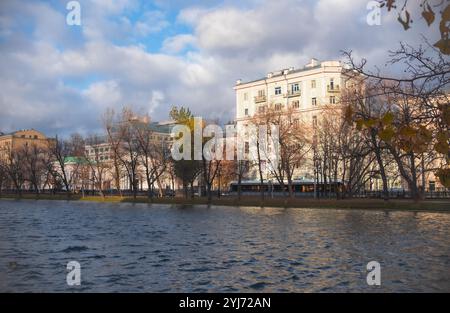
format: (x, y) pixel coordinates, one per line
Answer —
(218, 195)
(270, 188)
(315, 173)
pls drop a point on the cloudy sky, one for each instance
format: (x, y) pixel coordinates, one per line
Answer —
(152, 55)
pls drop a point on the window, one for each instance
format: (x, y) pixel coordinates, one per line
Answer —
(261, 93)
(262, 109)
(314, 121)
(245, 96)
(331, 83)
(278, 107)
(35, 137)
(246, 147)
(332, 99)
(278, 90)
(296, 104)
(313, 84)
(314, 101)
(246, 112)
(295, 88)
(296, 122)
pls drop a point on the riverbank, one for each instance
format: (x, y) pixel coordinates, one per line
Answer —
(393, 204)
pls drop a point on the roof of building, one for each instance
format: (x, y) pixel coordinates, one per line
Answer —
(16, 132)
(161, 128)
(157, 127)
(314, 64)
(74, 159)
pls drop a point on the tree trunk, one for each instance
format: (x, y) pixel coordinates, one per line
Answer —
(185, 188)
(261, 179)
(239, 187)
(380, 164)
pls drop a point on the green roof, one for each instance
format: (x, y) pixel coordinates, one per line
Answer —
(73, 159)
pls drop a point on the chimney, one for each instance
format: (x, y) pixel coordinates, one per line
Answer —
(238, 82)
(313, 62)
(269, 75)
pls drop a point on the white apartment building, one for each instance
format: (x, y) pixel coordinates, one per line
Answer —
(307, 91)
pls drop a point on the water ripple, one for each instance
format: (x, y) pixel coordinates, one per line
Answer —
(132, 247)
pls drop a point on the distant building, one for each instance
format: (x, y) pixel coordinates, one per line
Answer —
(309, 93)
(21, 138)
(306, 91)
(103, 152)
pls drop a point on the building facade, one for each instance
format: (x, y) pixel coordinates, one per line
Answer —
(19, 139)
(306, 92)
(101, 157)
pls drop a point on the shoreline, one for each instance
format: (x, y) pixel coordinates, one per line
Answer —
(428, 205)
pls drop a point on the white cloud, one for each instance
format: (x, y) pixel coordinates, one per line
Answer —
(151, 22)
(178, 43)
(104, 94)
(155, 101)
(54, 80)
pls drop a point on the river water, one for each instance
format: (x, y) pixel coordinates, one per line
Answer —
(123, 247)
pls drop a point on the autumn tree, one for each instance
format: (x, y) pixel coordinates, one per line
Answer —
(34, 165)
(98, 166)
(424, 83)
(436, 13)
(363, 108)
(414, 119)
(288, 145)
(3, 173)
(153, 155)
(114, 141)
(14, 166)
(61, 150)
(186, 170)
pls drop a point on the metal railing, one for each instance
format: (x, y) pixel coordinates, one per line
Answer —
(292, 93)
(334, 88)
(262, 98)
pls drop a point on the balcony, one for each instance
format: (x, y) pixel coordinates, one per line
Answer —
(333, 89)
(292, 93)
(259, 99)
